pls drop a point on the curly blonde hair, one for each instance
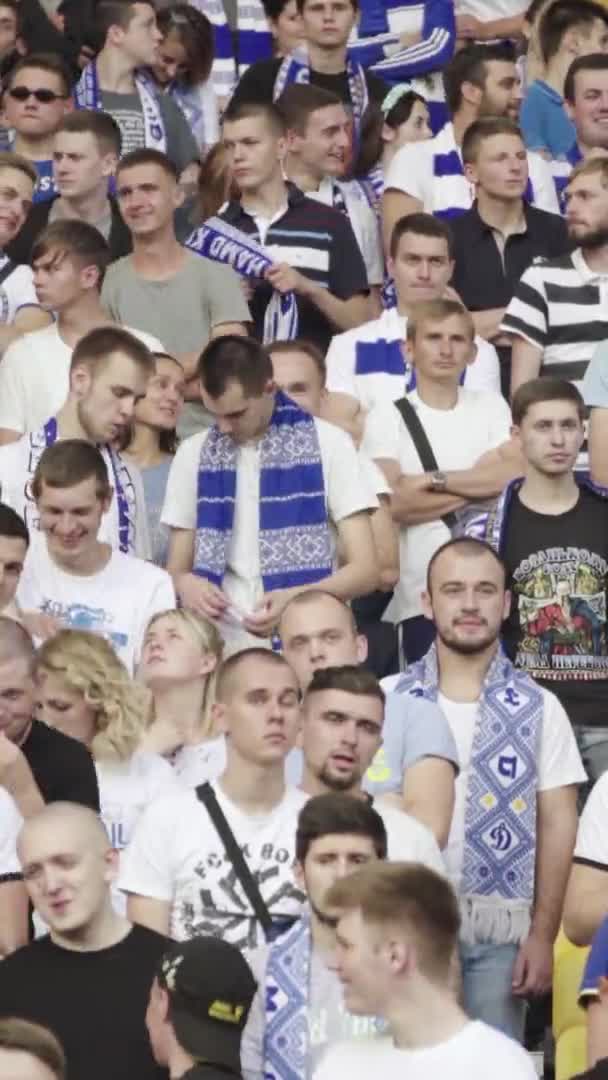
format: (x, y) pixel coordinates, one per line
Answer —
(210, 640)
(87, 664)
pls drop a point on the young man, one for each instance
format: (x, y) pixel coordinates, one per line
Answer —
(468, 434)
(20, 311)
(335, 835)
(515, 819)
(103, 965)
(371, 363)
(417, 759)
(14, 542)
(162, 287)
(481, 80)
(568, 28)
(36, 98)
(586, 102)
(178, 875)
(30, 1047)
(310, 249)
(86, 149)
(586, 900)
(109, 372)
(69, 260)
(397, 931)
(72, 575)
(115, 83)
(240, 568)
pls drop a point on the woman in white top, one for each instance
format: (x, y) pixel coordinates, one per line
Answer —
(179, 661)
(183, 67)
(402, 118)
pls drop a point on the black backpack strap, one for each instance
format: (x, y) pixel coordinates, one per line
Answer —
(207, 796)
(423, 447)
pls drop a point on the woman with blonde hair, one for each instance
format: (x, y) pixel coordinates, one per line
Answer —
(180, 657)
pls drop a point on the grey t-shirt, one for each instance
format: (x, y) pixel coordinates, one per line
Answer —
(127, 112)
(595, 383)
(154, 480)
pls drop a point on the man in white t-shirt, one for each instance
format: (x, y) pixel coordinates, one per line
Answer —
(176, 871)
(396, 935)
(371, 363)
(514, 823)
(20, 311)
(69, 261)
(69, 573)
(468, 432)
(258, 504)
(586, 902)
(109, 371)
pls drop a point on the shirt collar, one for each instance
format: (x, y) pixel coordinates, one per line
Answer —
(232, 211)
(589, 276)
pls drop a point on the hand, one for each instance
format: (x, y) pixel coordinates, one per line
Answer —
(467, 26)
(264, 620)
(285, 279)
(201, 595)
(10, 754)
(40, 625)
(16, 776)
(533, 969)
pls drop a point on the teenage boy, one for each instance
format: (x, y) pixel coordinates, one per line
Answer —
(586, 103)
(36, 97)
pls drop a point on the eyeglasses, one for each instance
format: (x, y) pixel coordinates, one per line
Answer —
(45, 97)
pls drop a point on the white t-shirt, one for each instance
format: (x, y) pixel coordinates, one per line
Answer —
(177, 856)
(18, 461)
(408, 839)
(117, 602)
(363, 220)
(474, 1053)
(10, 825)
(479, 422)
(348, 372)
(592, 836)
(35, 377)
(488, 10)
(200, 762)
(346, 492)
(17, 291)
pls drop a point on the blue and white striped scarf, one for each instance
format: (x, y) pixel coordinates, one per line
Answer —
(254, 40)
(295, 68)
(497, 889)
(294, 538)
(199, 106)
(87, 95)
(218, 240)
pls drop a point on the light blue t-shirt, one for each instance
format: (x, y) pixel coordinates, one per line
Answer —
(154, 480)
(543, 121)
(595, 382)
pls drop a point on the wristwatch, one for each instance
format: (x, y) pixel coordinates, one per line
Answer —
(439, 481)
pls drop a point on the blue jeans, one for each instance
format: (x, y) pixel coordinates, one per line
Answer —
(487, 972)
(593, 747)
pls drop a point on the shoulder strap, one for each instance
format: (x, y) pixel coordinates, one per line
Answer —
(207, 796)
(7, 270)
(423, 447)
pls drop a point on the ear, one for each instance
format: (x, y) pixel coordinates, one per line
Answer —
(470, 93)
(362, 648)
(80, 382)
(298, 873)
(281, 148)
(470, 172)
(208, 663)
(569, 108)
(292, 141)
(390, 265)
(427, 605)
(108, 164)
(507, 604)
(473, 352)
(219, 717)
(68, 105)
(178, 196)
(106, 502)
(112, 866)
(89, 277)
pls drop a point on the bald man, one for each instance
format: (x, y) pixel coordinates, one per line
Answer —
(88, 980)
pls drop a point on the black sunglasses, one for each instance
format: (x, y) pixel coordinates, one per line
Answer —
(45, 97)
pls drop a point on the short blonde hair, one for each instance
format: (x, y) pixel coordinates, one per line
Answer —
(437, 311)
(590, 167)
(87, 664)
(208, 637)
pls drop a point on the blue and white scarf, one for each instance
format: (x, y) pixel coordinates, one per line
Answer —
(497, 888)
(218, 240)
(294, 538)
(87, 95)
(254, 40)
(295, 68)
(199, 106)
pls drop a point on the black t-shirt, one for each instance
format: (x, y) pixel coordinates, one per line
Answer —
(62, 767)
(558, 574)
(257, 84)
(94, 1002)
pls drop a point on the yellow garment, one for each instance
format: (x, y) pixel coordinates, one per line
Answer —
(569, 1022)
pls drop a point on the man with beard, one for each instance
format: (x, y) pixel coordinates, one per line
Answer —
(514, 821)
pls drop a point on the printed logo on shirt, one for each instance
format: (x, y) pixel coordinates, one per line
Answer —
(82, 617)
(131, 124)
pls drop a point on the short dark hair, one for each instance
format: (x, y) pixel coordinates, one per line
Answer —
(351, 678)
(592, 62)
(147, 156)
(465, 545)
(250, 110)
(562, 16)
(301, 3)
(109, 13)
(371, 143)
(274, 8)
(470, 65)
(94, 349)
(230, 667)
(101, 125)
(421, 224)
(195, 34)
(34, 1039)
(338, 814)
(299, 101)
(232, 358)
(9, 160)
(43, 61)
(70, 462)
(11, 524)
(547, 388)
(301, 345)
(485, 128)
(73, 239)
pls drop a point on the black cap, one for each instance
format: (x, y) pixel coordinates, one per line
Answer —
(210, 987)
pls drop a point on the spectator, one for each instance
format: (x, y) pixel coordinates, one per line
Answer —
(594, 393)
(417, 760)
(162, 287)
(335, 835)
(242, 37)
(13, 897)
(568, 28)
(587, 896)
(88, 979)
(370, 363)
(62, 769)
(241, 569)
(73, 576)
(176, 838)
(407, 918)
(215, 185)
(19, 308)
(36, 97)
(199, 1004)
(14, 542)
(85, 152)
(69, 260)
(481, 80)
(115, 83)
(109, 371)
(183, 67)
(586, 102)
(402, 118)
(468, 434)
(11, 41)
(31, 1047)
(592, 996)
(152, 442)
(497, 713)
(285, 26)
